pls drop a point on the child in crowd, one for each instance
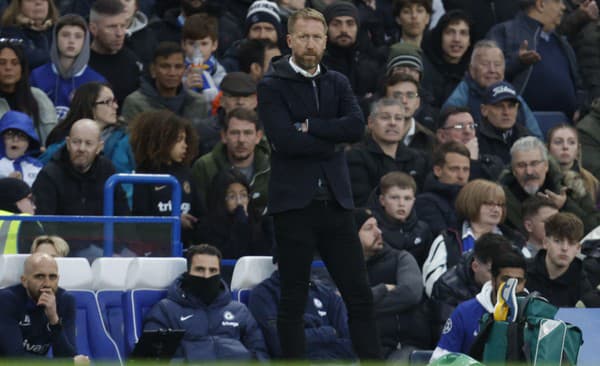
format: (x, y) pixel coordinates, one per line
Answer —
(68, 67)
(199, 40)
(397, 219)
(18, 145)
(535, 211)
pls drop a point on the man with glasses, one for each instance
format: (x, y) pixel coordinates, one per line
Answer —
(457, 124)
(308, 111)
(532, 174)
(383, 151)
(499, 128)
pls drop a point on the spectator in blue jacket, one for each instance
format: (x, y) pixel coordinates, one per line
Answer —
(18, 146)
(37, 314)
(198, 301)
(325, 320)
(68, 67)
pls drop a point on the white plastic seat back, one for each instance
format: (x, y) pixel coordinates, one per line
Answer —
(75, 273)
(11, 269)
(250, 271)
(154, 273)
(110, 273)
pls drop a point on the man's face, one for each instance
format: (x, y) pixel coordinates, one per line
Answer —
(230, 102)
(16, 143)
(560, 252)
(408, 94)
(70, 40)
(370, 237)
(529, 169)
(204, 265)
(504, 275)
(455, 170)
(388, 125)
(502, 115)
(342, 31)
(83, 145)
(307, 43)
(241, 137)
(552, 14)
(487, 67)
(534, 225)
(398, 202)
(459, 127)
(455, 41)
(413, 19)
(206, 46)
(263, 30)
(109, 32)
(168, 71)
(42, 274)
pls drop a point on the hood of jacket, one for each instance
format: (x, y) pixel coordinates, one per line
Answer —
(139, 22)
(433, 185)
(432, 46)
(19, 121)
(395, 225)
(81, 60)
(178, 295)
(174, 104)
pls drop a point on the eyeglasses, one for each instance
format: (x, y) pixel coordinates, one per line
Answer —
(523, 164)
(408, 95)
(15, 134)
(13, 41)
(494, 204)
(462, 126)
(107, 101)
(232, 197)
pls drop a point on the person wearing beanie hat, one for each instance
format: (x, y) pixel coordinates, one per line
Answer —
(405, 58)
(346, 51)
(15, 196)
(263, 21)
(16, 199)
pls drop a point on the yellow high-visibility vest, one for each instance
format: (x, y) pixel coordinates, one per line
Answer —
(9, 233)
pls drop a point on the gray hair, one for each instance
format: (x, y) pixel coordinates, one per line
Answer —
(527, 144)
(484, 43)
(385, 102)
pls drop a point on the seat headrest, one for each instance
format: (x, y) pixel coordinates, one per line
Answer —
(110, 273)
(154, 273)
(250, 271)
(75, 273)
(11, 269)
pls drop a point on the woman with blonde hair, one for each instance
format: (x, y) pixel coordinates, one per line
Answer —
(481, 207)
(50, 244)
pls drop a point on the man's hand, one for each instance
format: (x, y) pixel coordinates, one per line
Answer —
(590, 8)
(188, 221)
(473, 147)
(48, 301)
(557, 199)
(15, 174)
(81, 360)
(528, 57)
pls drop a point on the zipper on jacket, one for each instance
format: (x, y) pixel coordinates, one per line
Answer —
(316, 93)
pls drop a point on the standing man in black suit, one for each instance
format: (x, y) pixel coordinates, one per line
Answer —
(307, 110)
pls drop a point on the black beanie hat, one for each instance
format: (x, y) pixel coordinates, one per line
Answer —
(263, 11)
(340, 9)
(361, 215)
(11, 191)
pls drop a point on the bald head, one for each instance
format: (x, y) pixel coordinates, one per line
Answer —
(40, 273)
(36, 260)
(84, 144)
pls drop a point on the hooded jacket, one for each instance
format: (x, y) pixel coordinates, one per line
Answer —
(491, 141)
(60, 84)
(140, 39)
(26, 164)
(588, 129)
(223, 330)
(435, 205)
(325, 320)
(187, 103)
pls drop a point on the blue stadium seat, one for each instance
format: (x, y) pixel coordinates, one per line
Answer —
(110, 303)
(549, 119)
(241, 295)
(588, 320)
(136, 304)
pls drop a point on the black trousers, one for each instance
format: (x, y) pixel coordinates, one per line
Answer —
(330, 229)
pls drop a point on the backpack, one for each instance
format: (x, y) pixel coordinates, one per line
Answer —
(535, 337)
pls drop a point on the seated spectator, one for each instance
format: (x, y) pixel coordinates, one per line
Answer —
(435, 204)
(16, 199)
(53, 245)
(164, 143)
(448, 49)
(72, 183)
(397, 292)
(32, 23)
(457, 124)
(255, 57)
(233, 224)
(499, 128)
(533, 174)
(38, 315)
(383, 151)
(139, 37)
(486, 68)
(68, 67)
(325, 318)
(238, 91)
(241, 147)
(563, 145)
(464, 281)
(481, 205)
(108, 54)
(397, 218)
(199, 302)
(199, 40)
(16, 93)
(536, 210)
(164, 89)
(589, 137)
(412, 18)
(538, 59)
(461, 328)
(18, 146)
(555, 271)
